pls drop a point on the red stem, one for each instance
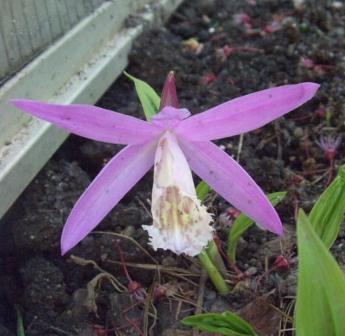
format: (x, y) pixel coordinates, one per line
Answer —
(123, 263)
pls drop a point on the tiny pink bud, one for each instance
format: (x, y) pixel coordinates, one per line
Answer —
(169, 96)
(281, 263)
(207, 79)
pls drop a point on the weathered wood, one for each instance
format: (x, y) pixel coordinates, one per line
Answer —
(29, 26)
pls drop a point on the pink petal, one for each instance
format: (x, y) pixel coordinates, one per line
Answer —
(169, 96)
(245, 113)
(91, 121)
(232, 182)
(107, 189)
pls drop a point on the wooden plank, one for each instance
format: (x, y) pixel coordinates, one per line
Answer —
(71, 12)
(4, 58)
(28, 13)
(43, 20)
(9, 33)
(53, 18)
(80, 9)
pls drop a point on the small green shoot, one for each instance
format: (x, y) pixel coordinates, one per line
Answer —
(226, 323)
(328, 212)
(20, 323)
(328, 117)
(242, 223)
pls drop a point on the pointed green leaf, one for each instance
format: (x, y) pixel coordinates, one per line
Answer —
(328, 212)
(242, 223)
(148, 97)
(20, 323)
(227, 323)
(320, 305)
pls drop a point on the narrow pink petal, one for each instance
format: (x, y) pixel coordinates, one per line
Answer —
(107, 189)
(169, 96)
(91, 121)
(246, 113)
(232, 182)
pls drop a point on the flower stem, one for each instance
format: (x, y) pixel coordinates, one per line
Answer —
(213, 253)
(209, 257)
(213, 273)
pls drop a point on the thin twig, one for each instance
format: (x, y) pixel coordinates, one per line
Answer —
(119, 235)
(172, 271)
(83, 262)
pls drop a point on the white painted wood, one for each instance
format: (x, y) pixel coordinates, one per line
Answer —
(28, 26)
(4, 59)
(9, 35)
(78, 68)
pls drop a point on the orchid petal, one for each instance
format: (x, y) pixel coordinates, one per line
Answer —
(91, 122)
(169, 96)
(107, 189)
(245, 113)
(232, 182)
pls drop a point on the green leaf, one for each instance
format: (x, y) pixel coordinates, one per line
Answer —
(227, 323)
(328, 212)
(20, 324)
(202, 190)
(242, 223)
(320, 306)
(148, 97)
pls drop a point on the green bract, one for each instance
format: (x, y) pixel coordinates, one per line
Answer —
(148, 97)
(227, 323)
(328, 212)
(320, 306)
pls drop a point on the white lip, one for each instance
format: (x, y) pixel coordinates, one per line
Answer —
(180, 221)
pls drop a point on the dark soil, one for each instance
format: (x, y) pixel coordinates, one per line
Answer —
(275, 43)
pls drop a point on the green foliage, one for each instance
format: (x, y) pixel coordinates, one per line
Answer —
(242, 223)
(227, 323)
(20, 324)
(328, 118)
(148, 97)
(328, 212)
(202, 190)
(320, 306)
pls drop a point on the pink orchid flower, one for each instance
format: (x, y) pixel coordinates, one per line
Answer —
(174, 142)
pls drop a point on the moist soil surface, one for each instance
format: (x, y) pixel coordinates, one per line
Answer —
(113, 283)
